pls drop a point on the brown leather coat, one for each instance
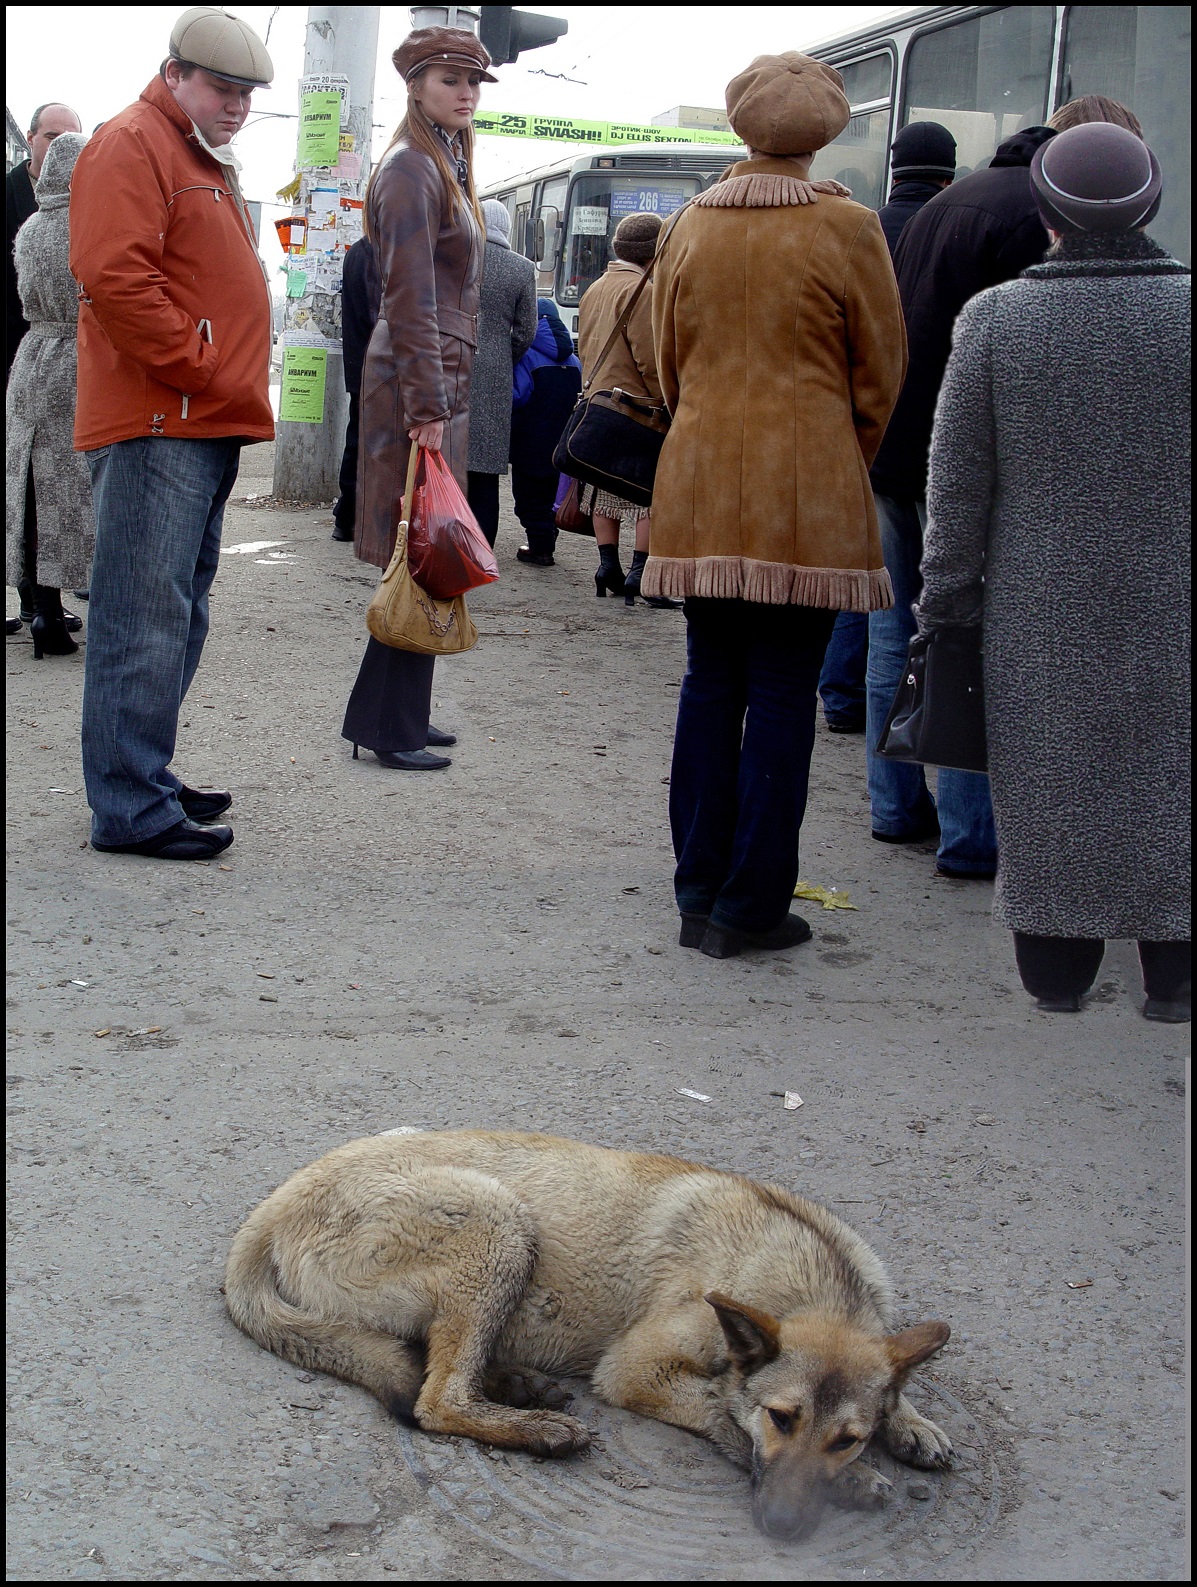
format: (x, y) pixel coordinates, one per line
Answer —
(631, 364)
(421, 355)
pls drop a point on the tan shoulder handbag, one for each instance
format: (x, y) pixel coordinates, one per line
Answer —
(403, 615)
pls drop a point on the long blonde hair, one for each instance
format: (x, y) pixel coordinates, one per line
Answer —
(417, 130)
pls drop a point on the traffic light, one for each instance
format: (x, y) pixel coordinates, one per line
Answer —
(506, 32)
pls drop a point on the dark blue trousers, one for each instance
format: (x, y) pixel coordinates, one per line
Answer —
(741, 757)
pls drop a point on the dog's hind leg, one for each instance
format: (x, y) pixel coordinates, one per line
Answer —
(482, 1272)
(913, 1438)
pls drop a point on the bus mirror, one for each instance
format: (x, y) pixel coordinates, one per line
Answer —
(548, 236)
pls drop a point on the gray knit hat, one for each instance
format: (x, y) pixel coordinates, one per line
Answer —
(635, 239)
(1096, 177)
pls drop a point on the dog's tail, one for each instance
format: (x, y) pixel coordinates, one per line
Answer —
(389, 1368)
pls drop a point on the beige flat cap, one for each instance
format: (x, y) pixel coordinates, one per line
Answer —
(223, 45)
(787, 104)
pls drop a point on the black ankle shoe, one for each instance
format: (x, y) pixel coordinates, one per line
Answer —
(725, 942)
(693, 930)
(184, 841)
(535, 559)
(609, 578)
(438, 736)
(409, 759)
(50, 637)
(71, 622)
(204, 804)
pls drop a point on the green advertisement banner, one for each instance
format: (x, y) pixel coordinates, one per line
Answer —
(319, 129)
(305, 371)
(562, 129)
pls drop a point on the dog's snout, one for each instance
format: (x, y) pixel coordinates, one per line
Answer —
(780, 1515)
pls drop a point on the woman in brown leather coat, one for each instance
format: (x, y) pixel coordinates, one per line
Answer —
(423, 218)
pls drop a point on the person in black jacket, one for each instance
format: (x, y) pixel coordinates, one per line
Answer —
(976, 233)
(923, 163)
(361, 294)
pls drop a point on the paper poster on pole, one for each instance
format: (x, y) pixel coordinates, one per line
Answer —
(319, 129)
(297, 283)
(328, 83)
(305, 373)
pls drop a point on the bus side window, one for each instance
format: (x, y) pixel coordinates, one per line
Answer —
(520, 240)
(983, 77)
(1139, 55)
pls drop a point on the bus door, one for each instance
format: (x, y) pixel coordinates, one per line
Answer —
(858, 156)
(548, 229)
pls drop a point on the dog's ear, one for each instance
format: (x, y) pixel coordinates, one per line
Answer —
(912, 1345)
(753, 1337)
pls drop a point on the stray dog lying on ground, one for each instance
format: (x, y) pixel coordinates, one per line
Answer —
(447, 1272)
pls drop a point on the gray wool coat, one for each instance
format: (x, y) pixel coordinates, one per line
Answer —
(40, 403)
(1058, 517)
(506, 326)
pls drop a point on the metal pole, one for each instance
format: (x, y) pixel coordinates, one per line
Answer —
(307, 457)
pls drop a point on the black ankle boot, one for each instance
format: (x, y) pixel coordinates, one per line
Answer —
(609, 575)
(50, 637)
(631, 588)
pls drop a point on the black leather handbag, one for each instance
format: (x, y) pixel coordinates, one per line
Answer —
(938, 714)
(614, 440)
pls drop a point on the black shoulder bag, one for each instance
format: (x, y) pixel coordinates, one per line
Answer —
(938, 714)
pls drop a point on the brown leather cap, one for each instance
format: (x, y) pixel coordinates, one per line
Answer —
(441, 47)
(787, 104)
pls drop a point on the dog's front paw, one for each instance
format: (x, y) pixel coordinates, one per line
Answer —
(552, 1435)
(522, 1386)
(859, 1487)
(915, 1439)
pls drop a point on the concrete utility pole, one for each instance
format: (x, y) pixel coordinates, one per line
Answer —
(307, 457)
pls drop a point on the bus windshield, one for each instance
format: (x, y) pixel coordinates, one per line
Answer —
(598, 201)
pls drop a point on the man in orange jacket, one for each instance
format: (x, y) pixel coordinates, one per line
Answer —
(174, 370)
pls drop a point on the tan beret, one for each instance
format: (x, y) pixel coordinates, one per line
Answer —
(787, 104)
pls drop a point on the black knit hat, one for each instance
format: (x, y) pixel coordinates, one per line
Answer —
(923, 148)
(635, 239)
(1096, 177)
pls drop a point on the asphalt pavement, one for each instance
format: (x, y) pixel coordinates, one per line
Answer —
(496, 945)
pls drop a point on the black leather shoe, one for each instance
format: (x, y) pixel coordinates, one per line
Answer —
(184, 841)
(963, 876)
(411, 760)
(927, 828)
(52, 637)
(12, 625)
(438, 736)
(694, 928)
(535, 559)
(203, 804)
(842, 726)
(725, 942)
(70, 621)
(341, 534)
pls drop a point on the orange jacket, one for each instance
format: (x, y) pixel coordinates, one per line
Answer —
(175, 318)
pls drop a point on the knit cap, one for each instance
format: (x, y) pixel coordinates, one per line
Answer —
(635, 239)
(924, 148)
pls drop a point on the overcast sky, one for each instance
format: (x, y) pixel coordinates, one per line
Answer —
(616, 63)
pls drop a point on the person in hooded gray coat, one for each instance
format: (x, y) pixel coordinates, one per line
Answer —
(49, 521)
(1059, 520)
(506, 328)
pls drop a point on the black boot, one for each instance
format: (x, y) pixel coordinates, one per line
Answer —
(610, 572)
(49, 625)
(631, 586)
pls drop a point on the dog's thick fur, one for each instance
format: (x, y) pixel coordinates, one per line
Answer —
(448, 1272)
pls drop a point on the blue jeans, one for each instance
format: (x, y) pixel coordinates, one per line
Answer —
(159, 507)
(741, 757)
(898, 796)
(842, 681)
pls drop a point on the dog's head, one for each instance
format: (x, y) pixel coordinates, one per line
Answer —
(810, 1391)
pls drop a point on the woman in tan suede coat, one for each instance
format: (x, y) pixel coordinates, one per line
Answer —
(780, 350)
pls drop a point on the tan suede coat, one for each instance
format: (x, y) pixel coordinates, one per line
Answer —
(780, 349)
(631, 364)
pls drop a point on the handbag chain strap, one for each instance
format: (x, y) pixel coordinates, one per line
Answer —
(623, 319)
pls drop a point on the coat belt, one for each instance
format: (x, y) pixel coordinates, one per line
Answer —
(48, 328)
(453, 322)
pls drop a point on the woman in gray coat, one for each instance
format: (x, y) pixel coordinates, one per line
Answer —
(506, 327)
(49, 522)
(1059, 505)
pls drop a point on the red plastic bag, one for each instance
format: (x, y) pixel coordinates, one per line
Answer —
(447, 552)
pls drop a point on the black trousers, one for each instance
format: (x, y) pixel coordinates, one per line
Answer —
(534, 496)
(482, 493)
(42, 599)
(345, 506)
(1068, 966)
(391, 700)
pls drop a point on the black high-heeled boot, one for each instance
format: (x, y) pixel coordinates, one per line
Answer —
(631, 587)
(49, 626)
(609, 575)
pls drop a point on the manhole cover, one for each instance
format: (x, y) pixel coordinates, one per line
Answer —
(651, 1503)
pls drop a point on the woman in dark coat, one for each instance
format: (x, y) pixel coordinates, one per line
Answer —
(545, 388)
(423, 218)
(1059, 520)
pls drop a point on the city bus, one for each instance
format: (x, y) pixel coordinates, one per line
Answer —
(982, 71)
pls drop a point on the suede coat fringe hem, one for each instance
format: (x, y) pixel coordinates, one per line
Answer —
(770, 583)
